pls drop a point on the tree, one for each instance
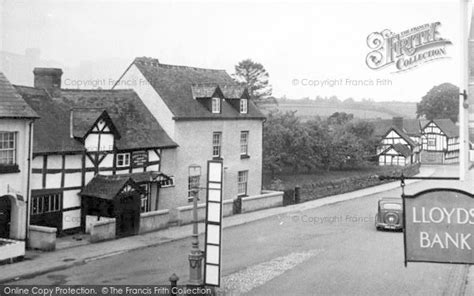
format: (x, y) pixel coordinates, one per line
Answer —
(339, 118)
(254, 76)
(442, 101)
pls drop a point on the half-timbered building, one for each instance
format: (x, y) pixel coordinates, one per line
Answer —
(400, 142)
(88, 137)
(424, 141)
(440, 142)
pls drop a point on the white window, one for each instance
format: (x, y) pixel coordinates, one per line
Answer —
(7, 148)
(216, 105)
(123, 160)
(244, 143)
(244, 106)
(242, 182)
(216, 144)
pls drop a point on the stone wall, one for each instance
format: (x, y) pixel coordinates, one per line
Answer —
(152, 221)
(102, 230)
(321, 189)
(42, 238)
(268, 199)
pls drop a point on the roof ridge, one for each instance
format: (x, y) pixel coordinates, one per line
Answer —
(148, 61)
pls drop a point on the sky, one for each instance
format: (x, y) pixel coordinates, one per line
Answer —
(300, 43)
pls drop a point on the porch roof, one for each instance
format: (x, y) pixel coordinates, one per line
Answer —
(108, 187)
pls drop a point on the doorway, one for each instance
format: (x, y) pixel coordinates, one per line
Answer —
(5, 216)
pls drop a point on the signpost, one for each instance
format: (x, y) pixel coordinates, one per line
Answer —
(439, 226)
(212, 260)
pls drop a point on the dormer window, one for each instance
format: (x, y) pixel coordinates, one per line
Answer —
(244, 106)
(216, 105)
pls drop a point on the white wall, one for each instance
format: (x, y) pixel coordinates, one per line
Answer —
(16, 183)
(134, 79)
(195, 147)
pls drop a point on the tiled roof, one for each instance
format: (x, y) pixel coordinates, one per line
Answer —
(134, 122)
(405, 136)
(12, 104)
(411, 127)
(233, 91)
(83, 119)
(174, 84)
(51, 131)
(447, 126)
(204, 90)
(105, 187)
(402, 149)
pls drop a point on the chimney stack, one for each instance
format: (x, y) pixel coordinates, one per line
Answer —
(48, 78)
(398, 122)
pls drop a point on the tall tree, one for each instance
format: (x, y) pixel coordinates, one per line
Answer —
(254, 76)
(442, 101)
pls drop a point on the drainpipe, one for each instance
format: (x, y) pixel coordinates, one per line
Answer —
(28, 195)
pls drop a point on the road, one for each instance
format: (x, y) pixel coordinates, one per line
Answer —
(331, 250)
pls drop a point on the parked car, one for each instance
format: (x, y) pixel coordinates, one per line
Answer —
(389, 214)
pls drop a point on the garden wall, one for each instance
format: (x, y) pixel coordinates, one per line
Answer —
(321, 189)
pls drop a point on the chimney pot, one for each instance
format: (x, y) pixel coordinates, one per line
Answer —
(48, 78)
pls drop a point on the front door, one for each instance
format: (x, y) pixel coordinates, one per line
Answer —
(128, 215)
(5, 210)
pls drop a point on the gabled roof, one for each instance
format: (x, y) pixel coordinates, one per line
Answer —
(205, 91)
(402, 134)
(234, 91)
(447, 126)
(84, 119)
(107, 187)
(411, 127)
(399, 148)
(12, 104)
(174, 84)
(137, 127)
(402, 149)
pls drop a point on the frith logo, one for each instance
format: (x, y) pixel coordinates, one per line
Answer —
(407, 49)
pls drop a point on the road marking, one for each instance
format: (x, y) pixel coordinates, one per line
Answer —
(245, 280)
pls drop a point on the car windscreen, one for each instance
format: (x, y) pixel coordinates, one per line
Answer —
(391, 206)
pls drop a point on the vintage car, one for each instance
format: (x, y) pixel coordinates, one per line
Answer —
(390, 214)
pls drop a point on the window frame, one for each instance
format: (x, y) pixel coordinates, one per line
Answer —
(54, 203)
(216, 105)
(244, 146)
(242, 183)
(216, 146)
(126, 155)
(244, 106)
(13, 150)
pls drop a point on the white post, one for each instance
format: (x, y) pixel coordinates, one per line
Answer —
(463, 97)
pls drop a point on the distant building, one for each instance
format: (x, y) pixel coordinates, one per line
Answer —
(440, 141)
(400, 141)
(16, 129)
(405, 142)
(210, 117)
(96, 154)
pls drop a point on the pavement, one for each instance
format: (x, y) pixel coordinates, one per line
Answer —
(41, 263)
